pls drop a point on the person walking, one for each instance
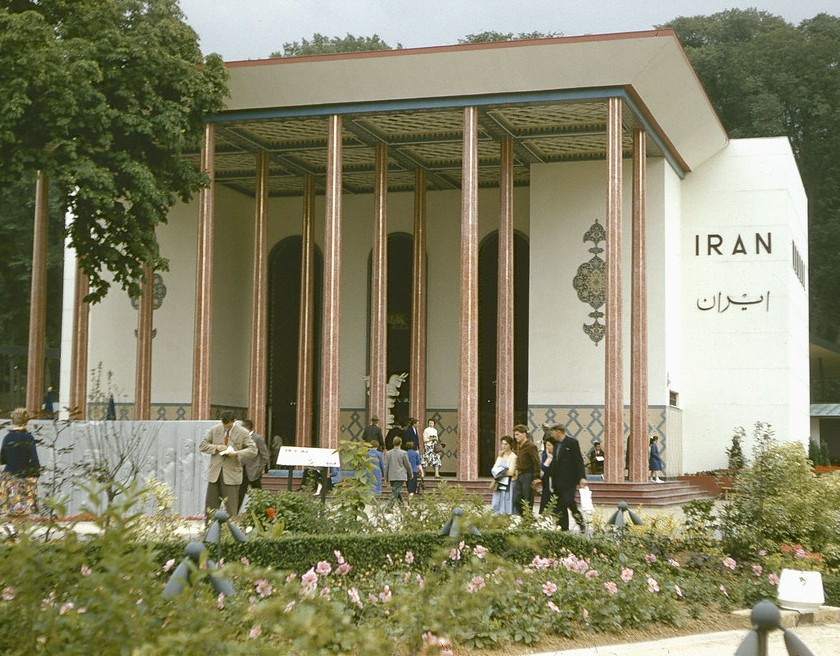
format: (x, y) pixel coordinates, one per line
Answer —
(254, 468)
(377, 461)
(655, 460)
(19, 479)
(432, 448)
(503, 472)
(416, 468)
(397, 471)
(567, 472)
(373, 432)
(546, 458)
(227, 444)
(527, 469)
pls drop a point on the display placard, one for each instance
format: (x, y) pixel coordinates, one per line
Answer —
(303, 456)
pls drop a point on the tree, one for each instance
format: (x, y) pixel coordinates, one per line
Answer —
(17, 207)
(766, 77)
(325, 45)
(106, 97)
(495, 37)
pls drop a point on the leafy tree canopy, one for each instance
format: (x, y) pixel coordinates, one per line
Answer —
(326, 45)
(105, 97)
(766, 77)
(493, 37)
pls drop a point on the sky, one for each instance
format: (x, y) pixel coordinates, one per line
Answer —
(253, 29)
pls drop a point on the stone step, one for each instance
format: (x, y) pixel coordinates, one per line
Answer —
(670, 493)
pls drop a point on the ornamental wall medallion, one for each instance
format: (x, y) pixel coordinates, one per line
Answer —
(158, 292)
(590, 282)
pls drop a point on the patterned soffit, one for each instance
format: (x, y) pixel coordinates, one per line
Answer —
(428, 139)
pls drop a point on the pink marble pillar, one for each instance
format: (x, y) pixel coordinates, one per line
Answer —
(306, 330)
(259, 301)
(79, 348)
(614, 443)
(330, 360)
(38, 300)
(378, 397)
(504, 303)
(638, 318)
(204, 282)
(143, 366)
(468, 384)
(417, 366)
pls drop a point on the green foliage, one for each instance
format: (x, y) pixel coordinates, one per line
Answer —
(376, 593)
(496, 37)
(17, 209)
(325, 45)
(106, 97)
(354, 493)
(275, 512)
(779, 500)
(735, 454)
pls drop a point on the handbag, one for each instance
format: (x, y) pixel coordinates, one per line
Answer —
(439, 447)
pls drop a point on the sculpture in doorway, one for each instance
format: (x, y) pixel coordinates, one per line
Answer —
(590, 282)
(392, 390)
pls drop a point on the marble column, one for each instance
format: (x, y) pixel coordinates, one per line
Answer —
(378, 397)
(38, 300)
(77, 402)
(504, 298)
(204, 282)
(468, 383)
(417, 366)
(614, 443)
(306, 326)
(330, 403)
(638, 318)
(143, 367)
(259, 300)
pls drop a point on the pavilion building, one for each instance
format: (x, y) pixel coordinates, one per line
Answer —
(555, 231)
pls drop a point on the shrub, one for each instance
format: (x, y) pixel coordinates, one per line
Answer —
(778, 499)
(735, 454)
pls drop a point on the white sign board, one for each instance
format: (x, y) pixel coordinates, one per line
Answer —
(307, 457)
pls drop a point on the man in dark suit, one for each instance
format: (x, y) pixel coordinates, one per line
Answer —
(395, 431)
(254, 467)
(373, 433)
(227, 444)
(567, 472)
(411, 435)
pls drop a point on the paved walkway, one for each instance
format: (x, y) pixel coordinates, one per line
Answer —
(821, 639)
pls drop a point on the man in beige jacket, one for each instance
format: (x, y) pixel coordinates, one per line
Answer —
(227, 445)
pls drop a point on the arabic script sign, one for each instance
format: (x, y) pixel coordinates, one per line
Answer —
(743, 302)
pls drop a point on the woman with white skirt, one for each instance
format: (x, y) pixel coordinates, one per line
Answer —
(504, 473)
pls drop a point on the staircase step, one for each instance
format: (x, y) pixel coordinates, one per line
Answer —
(670, 493)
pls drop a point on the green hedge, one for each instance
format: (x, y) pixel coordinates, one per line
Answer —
(831, 587)
(297, 552)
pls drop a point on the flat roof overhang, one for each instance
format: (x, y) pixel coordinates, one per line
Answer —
(549, 95)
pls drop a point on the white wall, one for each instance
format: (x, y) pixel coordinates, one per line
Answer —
(565, 366)
(743, 363)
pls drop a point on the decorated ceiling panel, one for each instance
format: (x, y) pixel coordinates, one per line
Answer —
(429, 139)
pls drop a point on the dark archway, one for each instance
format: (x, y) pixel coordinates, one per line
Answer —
(488, 284)
(283, 331)
(400, 276)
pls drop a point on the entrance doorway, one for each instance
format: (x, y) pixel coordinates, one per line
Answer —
(283, 333)
(488, 284)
